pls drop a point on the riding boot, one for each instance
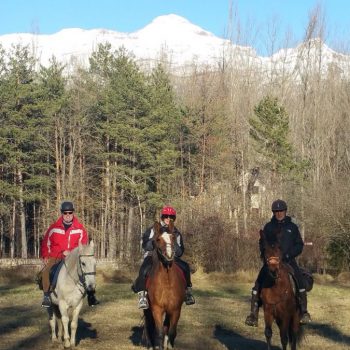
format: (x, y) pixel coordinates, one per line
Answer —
(143, 301)
(305, 316)
(189, 298)
(46, 300)
(92, 301)
(252, 319)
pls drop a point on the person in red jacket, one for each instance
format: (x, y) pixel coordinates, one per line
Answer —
(60, 238)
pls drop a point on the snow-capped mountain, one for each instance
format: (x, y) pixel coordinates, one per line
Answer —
(175, 39)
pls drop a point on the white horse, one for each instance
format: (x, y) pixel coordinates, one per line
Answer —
(76, 277)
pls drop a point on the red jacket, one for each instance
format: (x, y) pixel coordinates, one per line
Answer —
(57, 239)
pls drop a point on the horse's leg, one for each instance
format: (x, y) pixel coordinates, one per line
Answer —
(158, 320)
(294, 330)
(268, 326)
(166, 330)
(174, 319)
(52, 322)
(65, 320)
(283, 327)
(57, 313)
(74, 322)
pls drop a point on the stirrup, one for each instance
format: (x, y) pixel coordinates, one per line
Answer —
(189, 299)
(92, 301)
(46, 302)
(305, 318)
(251, 320)
(143, 302)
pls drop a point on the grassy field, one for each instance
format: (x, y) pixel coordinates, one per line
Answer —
(215, 322)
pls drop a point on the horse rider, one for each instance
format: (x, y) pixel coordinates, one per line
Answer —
(291, 246)
(60, 238)
(167, 214)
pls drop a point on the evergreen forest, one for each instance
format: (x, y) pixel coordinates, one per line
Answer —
(217, 143)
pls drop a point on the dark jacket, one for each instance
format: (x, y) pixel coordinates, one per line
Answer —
(290, 240)
(148, 244)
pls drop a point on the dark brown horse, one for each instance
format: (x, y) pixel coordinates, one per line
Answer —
(166, 291)
(278, 298)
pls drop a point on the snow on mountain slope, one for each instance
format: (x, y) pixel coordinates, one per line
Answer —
(175, 38)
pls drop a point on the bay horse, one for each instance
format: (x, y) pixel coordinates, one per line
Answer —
(278, 297)
(166, 291)
(76, 276)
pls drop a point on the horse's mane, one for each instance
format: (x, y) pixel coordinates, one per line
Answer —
(73, 255)
(271, 238)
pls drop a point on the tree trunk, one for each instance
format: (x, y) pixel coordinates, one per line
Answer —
(24, 248)
(13, 231)
(129, 238)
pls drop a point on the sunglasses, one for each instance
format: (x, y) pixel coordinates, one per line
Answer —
(172, 217)
(67, 212)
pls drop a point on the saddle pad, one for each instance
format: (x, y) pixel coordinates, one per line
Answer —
(55, 269)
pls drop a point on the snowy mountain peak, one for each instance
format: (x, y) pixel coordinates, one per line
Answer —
(172, 25)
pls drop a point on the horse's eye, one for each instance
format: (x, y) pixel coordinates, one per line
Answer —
(83, 264)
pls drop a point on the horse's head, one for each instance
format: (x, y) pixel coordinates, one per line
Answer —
(165, 242)
(272, 253)
(87, 266)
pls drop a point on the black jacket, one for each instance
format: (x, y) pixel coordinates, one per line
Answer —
(148, 244)
(291, 242)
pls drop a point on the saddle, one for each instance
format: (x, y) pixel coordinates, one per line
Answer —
(308, 279)
(176, 266)
(54, 271)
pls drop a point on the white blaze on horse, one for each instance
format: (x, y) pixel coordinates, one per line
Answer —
(76, 277)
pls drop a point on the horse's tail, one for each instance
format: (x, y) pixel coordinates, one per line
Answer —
(149, 328)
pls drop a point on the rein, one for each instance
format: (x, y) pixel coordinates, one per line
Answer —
(276, 260)
(164, 259)
(81, 275)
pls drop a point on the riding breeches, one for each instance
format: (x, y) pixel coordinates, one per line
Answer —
(186, 269)
(46, 273)
(140, 282)
(298, 275)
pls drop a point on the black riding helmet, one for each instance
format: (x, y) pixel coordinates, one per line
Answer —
(67, 206)
(279, 205)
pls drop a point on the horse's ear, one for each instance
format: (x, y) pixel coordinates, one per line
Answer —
(156, 228)
(92, 244)
(262, 236)
(171, 226)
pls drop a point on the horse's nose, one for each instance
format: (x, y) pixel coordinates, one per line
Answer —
(91, 287)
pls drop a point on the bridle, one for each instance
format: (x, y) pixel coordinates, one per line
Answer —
(273, 260)
(167, 261)
(82, 275)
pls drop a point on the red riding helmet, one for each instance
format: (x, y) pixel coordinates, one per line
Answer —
(168, 211)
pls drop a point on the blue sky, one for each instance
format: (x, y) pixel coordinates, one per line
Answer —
(50, 16)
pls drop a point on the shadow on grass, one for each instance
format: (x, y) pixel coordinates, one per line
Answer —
(234, 341)
(15, 317)
(34, 342)
(223, 293)
(136, 336)
(85, 331)
(327, 331)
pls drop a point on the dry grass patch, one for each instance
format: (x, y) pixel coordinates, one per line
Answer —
(215, 322)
